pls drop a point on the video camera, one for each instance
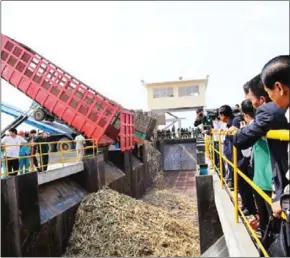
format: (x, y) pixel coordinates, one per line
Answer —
(212, 113)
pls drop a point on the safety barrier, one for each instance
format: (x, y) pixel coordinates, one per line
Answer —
(39, 159)
(210, 149)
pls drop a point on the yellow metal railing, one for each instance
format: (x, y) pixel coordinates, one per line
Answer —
(210, 150)
(61, 157)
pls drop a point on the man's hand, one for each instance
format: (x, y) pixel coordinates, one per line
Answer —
(276, 208)
(231, 129)
(243, 124)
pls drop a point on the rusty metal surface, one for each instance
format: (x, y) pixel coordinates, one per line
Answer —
(136, 163)
(179, 156)
(10, 237)
(52, 238)
(112, 173)
(137, 178)
(58, 196)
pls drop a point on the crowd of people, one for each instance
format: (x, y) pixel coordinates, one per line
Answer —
(29, 151)
(20, 150)
(181, 133)
(265, 107)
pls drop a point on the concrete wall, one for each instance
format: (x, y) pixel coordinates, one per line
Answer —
(177, 154)
(176, 101)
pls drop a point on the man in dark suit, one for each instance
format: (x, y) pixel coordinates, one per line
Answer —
(227, 116)
(268, 117)
(276, 79)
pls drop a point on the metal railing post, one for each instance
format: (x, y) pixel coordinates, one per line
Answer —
(40, 158)
(62, 155)
(206, 145)
(221, 161)
(236, 207)
(213, 154)
(31, 164)
(6, 163)
(93, 148)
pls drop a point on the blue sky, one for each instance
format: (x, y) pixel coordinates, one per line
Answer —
(112, 46)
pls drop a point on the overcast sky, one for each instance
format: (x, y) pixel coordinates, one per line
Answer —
(112, 46)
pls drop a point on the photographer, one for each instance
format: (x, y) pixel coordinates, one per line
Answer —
(204, 120)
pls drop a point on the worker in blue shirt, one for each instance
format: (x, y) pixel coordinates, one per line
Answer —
(24, 153)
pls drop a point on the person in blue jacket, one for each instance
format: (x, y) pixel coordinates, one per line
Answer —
(227, 116)
(268, 117)
(24, 152)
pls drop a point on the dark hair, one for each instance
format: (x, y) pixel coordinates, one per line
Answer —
(33, 131)
(226, 111)
(246, 88)
(237, 105)
(13, 130)
(236, 111)
(199, 110)
(26, 134)
(247, 108)
(257, 88)
(276, 70)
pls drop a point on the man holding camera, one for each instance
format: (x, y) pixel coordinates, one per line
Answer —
(203, 122)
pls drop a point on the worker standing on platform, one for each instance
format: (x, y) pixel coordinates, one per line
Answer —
(80, 145)
(24, 153)
(43, 149)
(33, 149)
(12, 152)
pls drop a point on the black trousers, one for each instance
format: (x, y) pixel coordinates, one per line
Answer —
(264, 212)
(44, 161)
(13, 166)
(35, 163)
(216, 156)
(246, 191)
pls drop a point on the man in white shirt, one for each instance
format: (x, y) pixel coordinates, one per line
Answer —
(80, 144)
(12, 151)
(217, 125)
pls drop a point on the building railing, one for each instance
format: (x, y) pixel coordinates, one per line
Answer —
(38, 160)
(282, 135)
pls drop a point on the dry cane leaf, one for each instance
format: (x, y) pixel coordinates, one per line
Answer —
(111, 224)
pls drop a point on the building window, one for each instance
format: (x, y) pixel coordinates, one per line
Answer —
(163, 93)
(188, 91)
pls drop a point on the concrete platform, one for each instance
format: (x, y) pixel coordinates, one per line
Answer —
(58, 171)
(219, 249)
(237, 238)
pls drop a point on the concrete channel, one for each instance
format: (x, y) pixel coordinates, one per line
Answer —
(38, 209)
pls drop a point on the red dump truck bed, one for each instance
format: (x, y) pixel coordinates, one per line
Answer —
(64, 96)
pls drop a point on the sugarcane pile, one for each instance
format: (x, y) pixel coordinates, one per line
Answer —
(111, 224)
(176, 203)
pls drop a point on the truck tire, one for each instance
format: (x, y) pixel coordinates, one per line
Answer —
(64, 146)
(39, 114)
